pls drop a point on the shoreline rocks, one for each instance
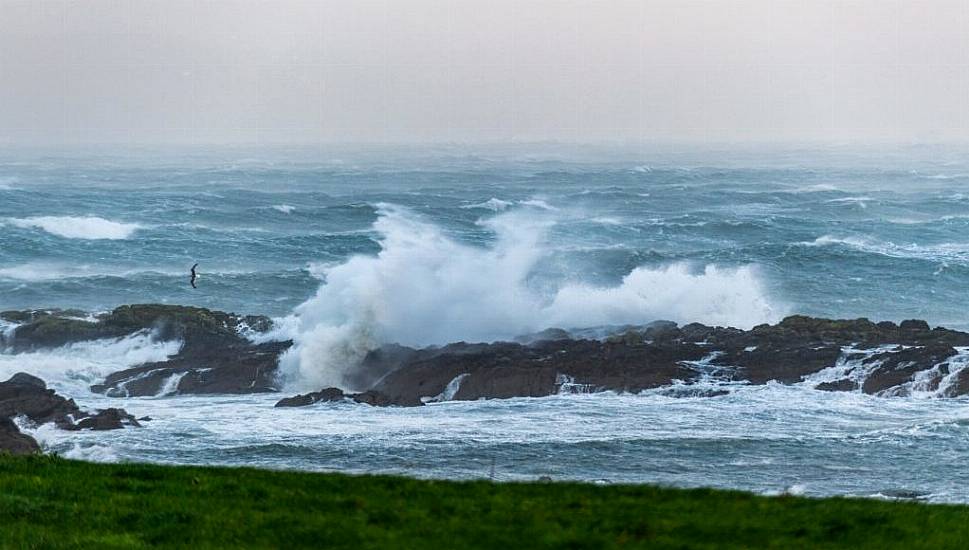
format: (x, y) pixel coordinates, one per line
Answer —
(885, 358)
(215, 357)
(27, 396)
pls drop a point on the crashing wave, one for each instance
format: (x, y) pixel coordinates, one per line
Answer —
(424, 288)
(73, 368)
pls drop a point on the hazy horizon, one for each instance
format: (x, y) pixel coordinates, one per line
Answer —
(569, 71)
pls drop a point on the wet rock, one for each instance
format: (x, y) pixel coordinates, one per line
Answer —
(28, 396)
(236, 369)
(914, 325)
(197, 327)
(22, 378)
(844, 384)
(662, 331)
(107, 419)
(379, 399)
(13, 441)
(688, 392)
(506, 369)
(897, 368)
(22, 396)
(547, 335)
(328, 394)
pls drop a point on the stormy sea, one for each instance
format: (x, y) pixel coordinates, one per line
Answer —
(348, 249)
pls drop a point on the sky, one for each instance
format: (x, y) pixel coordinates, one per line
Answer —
(346, 71)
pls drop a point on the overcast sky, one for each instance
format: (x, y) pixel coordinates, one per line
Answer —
(201, 71)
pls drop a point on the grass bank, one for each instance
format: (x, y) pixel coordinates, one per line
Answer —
(48, 502)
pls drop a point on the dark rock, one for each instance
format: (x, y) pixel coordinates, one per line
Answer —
(547, 335)
(238, 369)
(108, 419)
(13, 441)
(25, 379)
(506, 369)
(28, 396)
(144, 419)
(37, 403)
(503, 382)
(661, 331)
(328, 394)
(197, 327)
(914, 325)
(838, 385)
(378, 399)
(897, 368)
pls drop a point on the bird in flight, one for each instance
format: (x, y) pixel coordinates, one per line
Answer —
(194, 276)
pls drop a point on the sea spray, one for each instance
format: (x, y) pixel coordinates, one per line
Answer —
(71, 369)
(425, 288)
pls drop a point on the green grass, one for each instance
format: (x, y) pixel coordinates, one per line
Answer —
(47, 502)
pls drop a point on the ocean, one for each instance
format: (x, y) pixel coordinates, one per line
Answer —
(349, 246)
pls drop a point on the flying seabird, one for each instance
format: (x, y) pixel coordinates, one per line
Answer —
(194, 276)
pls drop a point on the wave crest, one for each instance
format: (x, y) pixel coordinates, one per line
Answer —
(73, 227)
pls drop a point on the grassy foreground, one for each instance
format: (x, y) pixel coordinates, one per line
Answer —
(48, 502)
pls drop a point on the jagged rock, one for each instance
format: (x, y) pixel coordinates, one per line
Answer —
(22, 396)
(510, 370)
(379, 399)
(197, 327)
(108, 419)
(13, 441)
(28, 396)
(549, 334)
(844, 384)
(897, 368)
(23, 378)
(248, 368)
(302, 400)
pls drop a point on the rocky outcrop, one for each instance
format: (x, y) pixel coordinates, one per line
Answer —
(327, 394)
(238, 368)
(107, 419)
(369, 397)
(14, 442)
(215, 357)
(514, 370)
(883, 358)
(198, 328)
(27, 396)
(877, 358)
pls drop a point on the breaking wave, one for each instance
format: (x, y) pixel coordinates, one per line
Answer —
(73, 368)
(943, 252)
(72, 227)
(424, 288)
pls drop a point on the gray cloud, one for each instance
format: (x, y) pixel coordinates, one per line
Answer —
(478, 70)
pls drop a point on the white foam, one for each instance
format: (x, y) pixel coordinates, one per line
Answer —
(538, 203)
(853, 364)
(424, 288)
(860, 201)
(449, 391)
(284, 208)
(170, 387)
(494, 204)
(72, 227)
(73, 368)
(938, 381)
(942, 252)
